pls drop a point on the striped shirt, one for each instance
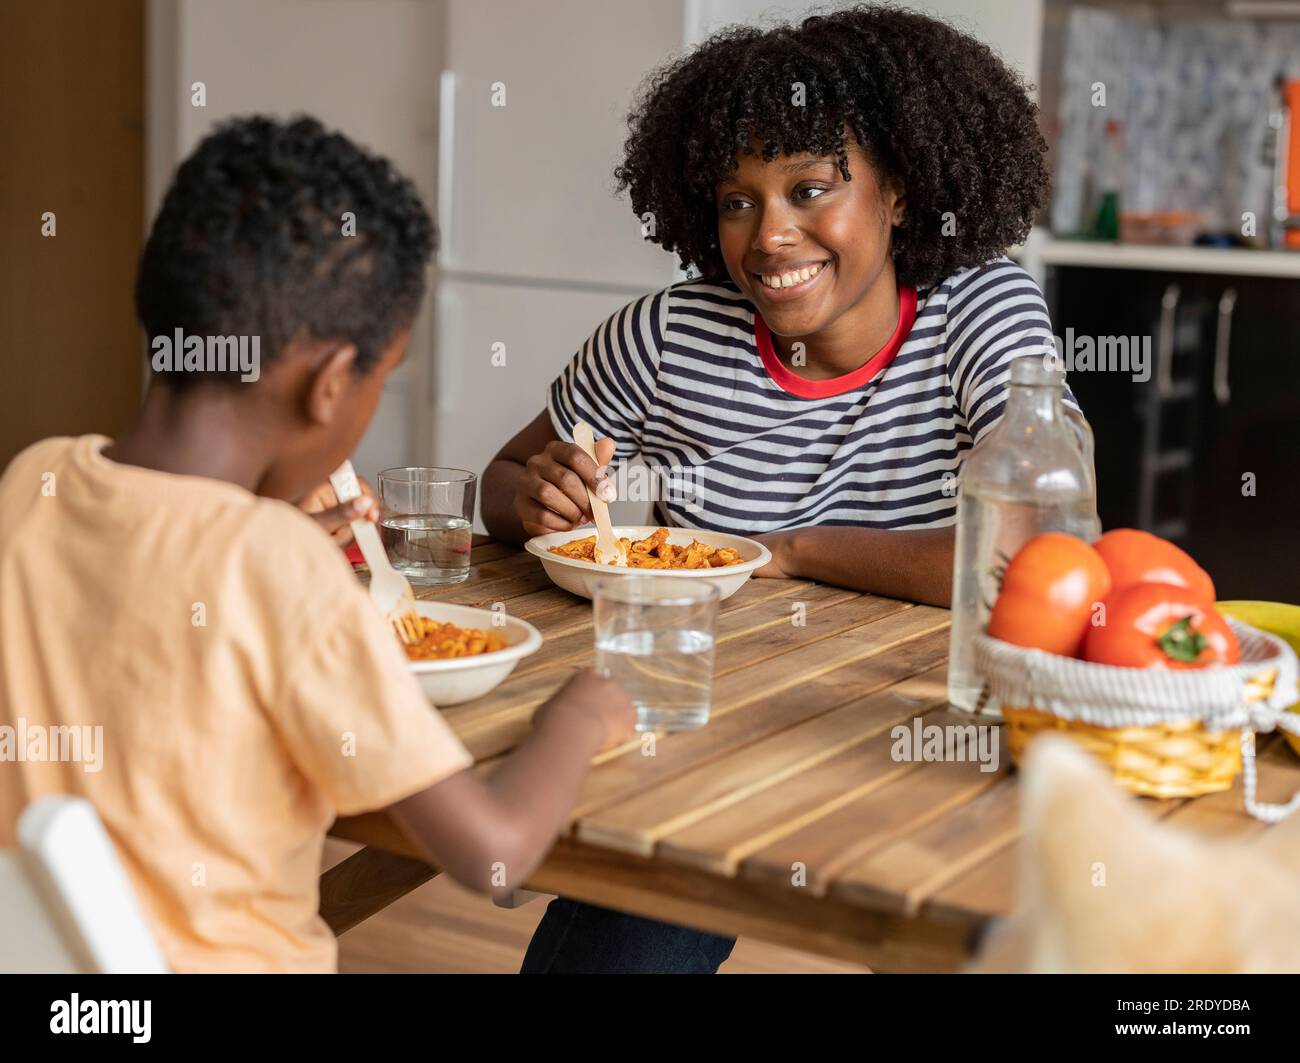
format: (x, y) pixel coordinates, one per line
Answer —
(687, 379)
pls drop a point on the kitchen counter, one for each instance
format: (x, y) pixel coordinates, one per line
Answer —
(1218, 260)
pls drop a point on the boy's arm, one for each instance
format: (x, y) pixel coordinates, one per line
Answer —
(489, 834)
(913, 565)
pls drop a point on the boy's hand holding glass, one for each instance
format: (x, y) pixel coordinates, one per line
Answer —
(552, 494)
(591, 700)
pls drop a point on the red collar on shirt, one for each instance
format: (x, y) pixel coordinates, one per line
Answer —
(838, 385)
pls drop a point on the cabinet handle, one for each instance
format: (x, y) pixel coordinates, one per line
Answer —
(1165, 342)
(1222, 346)
(446, 170)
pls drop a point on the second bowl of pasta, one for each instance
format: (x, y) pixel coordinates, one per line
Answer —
(466, 652)
(676, 553)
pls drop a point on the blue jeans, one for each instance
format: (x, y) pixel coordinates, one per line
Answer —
(577, 938)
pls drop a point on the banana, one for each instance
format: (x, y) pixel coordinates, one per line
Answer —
(1277, 618)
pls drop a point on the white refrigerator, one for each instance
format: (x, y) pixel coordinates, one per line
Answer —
(536, 249)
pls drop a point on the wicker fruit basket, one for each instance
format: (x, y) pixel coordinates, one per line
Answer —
(1162, 733)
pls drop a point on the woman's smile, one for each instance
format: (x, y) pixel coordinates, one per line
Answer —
(783, 283)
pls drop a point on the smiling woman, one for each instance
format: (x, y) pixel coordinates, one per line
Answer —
(846, 187)
(947, 126)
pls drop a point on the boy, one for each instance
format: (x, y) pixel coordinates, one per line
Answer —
(162, 588)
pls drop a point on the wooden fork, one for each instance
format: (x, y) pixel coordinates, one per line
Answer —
(388, 588)
(608, 548)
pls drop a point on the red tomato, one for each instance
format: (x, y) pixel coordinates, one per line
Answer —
(1048, 593)
(1139, 557)
(1157, 625)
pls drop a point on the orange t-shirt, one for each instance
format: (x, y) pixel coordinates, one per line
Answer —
(223, 683)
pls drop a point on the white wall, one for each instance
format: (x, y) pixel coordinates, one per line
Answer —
(369, 68)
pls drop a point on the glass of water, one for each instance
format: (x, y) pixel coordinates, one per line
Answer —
(426, 520)
(655, 636)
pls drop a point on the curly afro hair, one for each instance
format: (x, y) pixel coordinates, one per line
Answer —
(933, 108)
(250, 242)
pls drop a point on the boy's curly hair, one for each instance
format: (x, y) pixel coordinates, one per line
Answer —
(250, 241)
(933, 108)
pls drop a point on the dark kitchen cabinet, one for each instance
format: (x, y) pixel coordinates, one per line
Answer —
(1246, 520)
(1206, 451)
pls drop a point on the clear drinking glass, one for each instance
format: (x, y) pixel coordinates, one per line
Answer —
(1032, 473)
(655, 636)
(426, 520)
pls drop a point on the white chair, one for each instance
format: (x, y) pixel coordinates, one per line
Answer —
(66, 906)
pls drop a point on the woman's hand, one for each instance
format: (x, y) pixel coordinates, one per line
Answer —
(322, 505)
(781, 543)
(538, 482)
(551, 495)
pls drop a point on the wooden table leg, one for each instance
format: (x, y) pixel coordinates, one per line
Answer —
(366, 882)
(517, 898)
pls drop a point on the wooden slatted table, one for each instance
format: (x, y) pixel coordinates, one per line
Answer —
(787, 817)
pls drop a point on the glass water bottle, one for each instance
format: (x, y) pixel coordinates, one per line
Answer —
(1031, 473)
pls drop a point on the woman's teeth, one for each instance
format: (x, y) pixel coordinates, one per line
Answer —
(790, 279)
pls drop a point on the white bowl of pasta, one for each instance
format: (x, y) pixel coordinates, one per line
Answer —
(487, 645)
(730, 559)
